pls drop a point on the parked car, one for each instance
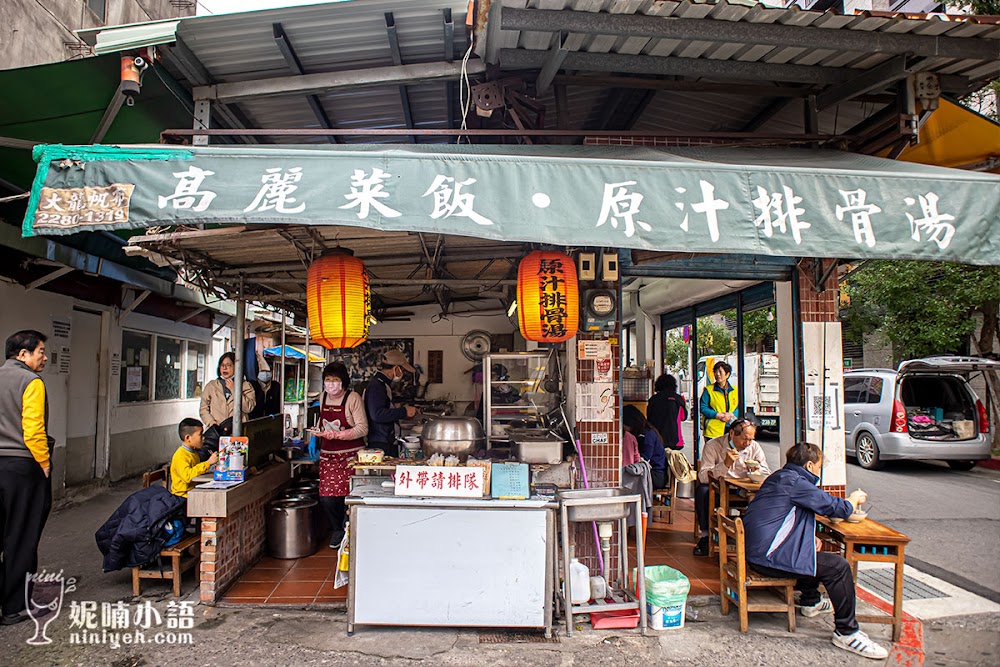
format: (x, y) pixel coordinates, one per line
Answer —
(924, 410)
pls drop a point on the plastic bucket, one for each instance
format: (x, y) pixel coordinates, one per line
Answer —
(669, 616)
(663, 584)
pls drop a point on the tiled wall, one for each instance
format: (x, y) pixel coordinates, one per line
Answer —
(818, 306)
(230, 546)
(603, 461)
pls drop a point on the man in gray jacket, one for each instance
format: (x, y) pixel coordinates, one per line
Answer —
(25, 468)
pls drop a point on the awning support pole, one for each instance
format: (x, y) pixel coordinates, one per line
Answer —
(281, 372)
(241, 315)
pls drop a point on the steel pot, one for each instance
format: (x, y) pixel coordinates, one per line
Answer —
(458, 436)
(291, 531)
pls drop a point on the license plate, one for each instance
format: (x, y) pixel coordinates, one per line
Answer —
(768, 421)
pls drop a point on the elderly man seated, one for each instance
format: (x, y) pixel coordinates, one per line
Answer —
(735, 455)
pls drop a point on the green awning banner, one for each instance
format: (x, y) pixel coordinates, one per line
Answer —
(786, 202)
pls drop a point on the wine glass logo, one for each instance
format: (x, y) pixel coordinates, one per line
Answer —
(43, 598)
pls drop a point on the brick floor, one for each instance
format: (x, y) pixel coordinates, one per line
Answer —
(309, 580)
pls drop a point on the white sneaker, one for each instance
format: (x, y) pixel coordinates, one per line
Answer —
(824, 606)
(860, 643)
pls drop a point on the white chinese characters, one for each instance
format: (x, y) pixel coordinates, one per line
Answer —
(620, 205)
(936, 225)
(861, 215)
(366, 191)
(778, 209)
(188, 193)
(276, 192)
(449, 200)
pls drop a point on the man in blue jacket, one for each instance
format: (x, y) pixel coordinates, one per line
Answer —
(781, 541)
(383, 418)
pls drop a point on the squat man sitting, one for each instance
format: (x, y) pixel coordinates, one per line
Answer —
(781, 541)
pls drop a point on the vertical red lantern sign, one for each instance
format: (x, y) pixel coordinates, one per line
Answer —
(548, 297)
(338, 298)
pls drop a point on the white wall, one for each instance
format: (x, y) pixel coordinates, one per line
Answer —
(824, 369)
(445, 335)
(36, 310)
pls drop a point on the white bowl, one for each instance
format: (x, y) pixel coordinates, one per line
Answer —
(857, 517)
(757, 477)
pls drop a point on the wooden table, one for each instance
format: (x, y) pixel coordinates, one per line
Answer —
(873, 542)
(726, 489)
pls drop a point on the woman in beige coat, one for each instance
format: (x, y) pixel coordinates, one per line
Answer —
(217, 398)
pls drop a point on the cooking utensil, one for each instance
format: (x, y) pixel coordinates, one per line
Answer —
(458, 436)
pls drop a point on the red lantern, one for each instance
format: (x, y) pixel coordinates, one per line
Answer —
(548, 297)
(338, 299)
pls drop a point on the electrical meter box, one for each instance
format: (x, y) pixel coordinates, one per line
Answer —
(598, 309)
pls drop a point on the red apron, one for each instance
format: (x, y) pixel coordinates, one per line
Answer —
(335, 455)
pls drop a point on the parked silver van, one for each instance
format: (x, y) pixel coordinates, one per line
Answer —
(924, 410)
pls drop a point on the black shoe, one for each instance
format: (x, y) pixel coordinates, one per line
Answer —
(338, 537)
(13, 619)
(701, 549)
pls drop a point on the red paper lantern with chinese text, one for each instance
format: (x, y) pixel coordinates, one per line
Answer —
(338, 298)
(548, 297)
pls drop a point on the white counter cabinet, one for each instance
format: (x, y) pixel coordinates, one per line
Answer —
(451, 562)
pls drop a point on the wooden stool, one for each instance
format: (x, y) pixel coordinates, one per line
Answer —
(661, 514)
(183, 556)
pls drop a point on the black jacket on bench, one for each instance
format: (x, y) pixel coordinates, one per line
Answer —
(134, 534)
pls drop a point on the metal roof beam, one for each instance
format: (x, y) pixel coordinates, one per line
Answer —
(397, 59)
(557, 54)
(681, 85)
(771, 110)
(294, 64)
(742, 32)
(876, 78)
(697, 67)
(110, 113)
(319, 82)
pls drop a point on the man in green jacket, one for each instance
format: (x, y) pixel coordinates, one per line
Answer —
(25, 468)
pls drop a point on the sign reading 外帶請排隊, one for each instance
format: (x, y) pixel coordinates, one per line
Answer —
(439, 481)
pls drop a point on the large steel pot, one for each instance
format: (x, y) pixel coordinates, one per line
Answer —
(291, 529)
(458, 436)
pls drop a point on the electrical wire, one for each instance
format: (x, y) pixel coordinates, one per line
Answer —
(465, 92)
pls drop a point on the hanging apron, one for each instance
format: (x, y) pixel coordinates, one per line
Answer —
(335, 455)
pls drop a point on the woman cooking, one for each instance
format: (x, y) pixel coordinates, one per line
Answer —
(217, 400)
(343, 426)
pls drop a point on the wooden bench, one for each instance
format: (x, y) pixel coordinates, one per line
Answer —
(737, 580)
(181, 557)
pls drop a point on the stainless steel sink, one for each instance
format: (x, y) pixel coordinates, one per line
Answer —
(603, 504)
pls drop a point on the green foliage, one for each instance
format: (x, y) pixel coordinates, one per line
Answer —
(712, 339)
(978, 7)
(756, 327)
(923, 308)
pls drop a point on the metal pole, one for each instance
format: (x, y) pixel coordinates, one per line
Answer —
(241, 315)
(741, 403)
(305, 394)
(281, 372)
(695, 398)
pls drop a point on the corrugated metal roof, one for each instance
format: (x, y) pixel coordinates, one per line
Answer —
(329, 38)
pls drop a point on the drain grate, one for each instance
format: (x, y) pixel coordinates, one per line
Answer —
(880, 582)
(515, 637)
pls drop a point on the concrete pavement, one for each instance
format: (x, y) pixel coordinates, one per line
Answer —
(264, 637)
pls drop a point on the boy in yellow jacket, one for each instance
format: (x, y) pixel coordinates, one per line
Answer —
(186, 464)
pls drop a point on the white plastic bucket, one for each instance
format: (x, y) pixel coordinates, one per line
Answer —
(669, 617)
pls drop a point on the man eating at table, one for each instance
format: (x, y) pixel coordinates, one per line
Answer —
(781, 541)
(734, 454)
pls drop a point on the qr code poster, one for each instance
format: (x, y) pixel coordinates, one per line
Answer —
(823, 407)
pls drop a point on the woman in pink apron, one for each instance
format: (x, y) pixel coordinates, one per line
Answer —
(343, 426)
